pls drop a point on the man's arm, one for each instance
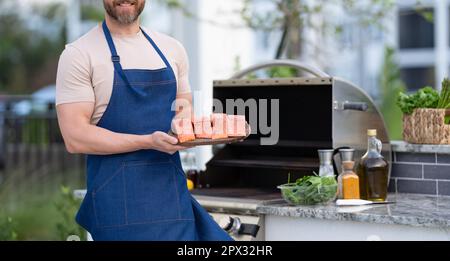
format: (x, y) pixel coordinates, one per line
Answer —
(80, 136)
(184, 106)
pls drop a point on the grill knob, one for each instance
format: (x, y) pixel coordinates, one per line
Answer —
(234, 226)
(224, 223)
(231, 225)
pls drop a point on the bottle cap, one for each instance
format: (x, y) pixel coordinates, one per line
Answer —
(348, 165)
(325, 156)
(372, 132)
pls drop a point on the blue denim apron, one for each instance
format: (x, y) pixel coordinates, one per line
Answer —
(142, 195)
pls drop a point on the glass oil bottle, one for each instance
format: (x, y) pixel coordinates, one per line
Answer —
(373, 171)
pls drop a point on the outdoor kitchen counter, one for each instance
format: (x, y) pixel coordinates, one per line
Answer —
(414, 212)
(409, 209)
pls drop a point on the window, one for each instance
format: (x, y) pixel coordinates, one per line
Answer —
(416, 78)
(414, 30)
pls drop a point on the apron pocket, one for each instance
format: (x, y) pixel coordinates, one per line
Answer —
(109, 201)
(151, 192)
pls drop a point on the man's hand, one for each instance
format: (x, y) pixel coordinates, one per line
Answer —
(165, 143)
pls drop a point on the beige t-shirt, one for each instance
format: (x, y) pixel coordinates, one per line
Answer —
(86, 72)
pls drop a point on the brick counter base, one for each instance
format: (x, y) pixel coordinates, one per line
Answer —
(423, 169)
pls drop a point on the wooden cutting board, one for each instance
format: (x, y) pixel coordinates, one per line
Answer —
(202, 142)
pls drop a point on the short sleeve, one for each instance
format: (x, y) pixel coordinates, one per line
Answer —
(183, 70)
(73, 79)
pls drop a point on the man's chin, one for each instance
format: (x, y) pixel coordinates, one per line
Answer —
(124, 14)
(126, 19)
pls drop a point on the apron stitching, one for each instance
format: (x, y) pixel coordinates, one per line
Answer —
(125, 197)
(176, 192)
(163, 221)
(160, 83)
(95, 191)
(95, 210)
(153, 83)
(149, 222)
(121, 169)
(180, 170)
(146, 70)
(108, 107)
(139, 163)
(149, 163)
(184, 175)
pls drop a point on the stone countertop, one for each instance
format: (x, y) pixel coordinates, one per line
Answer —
(409, 209)
(401, 146)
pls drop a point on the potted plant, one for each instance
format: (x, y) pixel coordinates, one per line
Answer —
(426, 115)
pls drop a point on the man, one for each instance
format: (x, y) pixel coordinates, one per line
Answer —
(115, 89)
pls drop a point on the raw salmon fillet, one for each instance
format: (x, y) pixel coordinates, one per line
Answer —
(219, 126)
(236, 126)
(183, 129)
(202, 127)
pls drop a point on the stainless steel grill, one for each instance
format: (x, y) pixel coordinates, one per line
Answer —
(318, 112)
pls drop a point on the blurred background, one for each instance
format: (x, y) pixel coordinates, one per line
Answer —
(383, 46)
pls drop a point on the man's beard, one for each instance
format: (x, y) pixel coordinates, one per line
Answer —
(124, 17)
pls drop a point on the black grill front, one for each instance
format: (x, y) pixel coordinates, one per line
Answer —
(250, 170)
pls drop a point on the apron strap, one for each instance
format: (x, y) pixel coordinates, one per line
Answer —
(163, 57)
(116, 58)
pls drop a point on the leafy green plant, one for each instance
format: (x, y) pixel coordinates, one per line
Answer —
(310, 190)
(444, 99)
(67, 207)
(29, 202)
(7, 229)
(26, 51)
(426, 97)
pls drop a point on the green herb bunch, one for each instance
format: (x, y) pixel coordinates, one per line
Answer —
(426, 97)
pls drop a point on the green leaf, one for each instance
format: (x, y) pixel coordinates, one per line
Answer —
(426, 97)
(444, 99)
(311, 190)
(65, 190)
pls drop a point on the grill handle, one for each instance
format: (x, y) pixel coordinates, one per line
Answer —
(249, 229)
(274, 63)
(356, 106)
